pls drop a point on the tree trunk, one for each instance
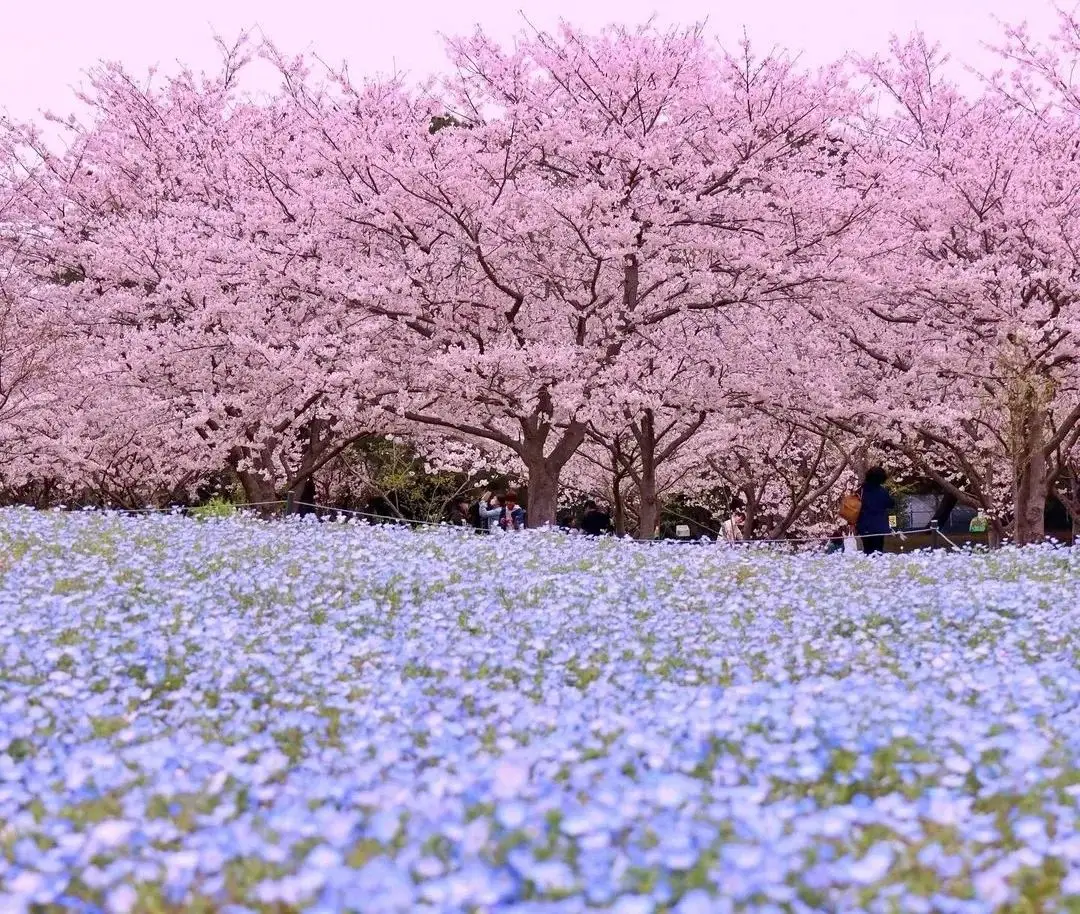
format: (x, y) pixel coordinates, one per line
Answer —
(618, 504)
(256, 479)
(751, 510)
(544, 469)
(649, 509)
(945, 509)
(648, 502)
(303, 481)
(1030, 478)
(304, 496)
(1069, 496)
(259, 492)
(543, 491)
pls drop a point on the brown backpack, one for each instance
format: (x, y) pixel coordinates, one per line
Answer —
(850, 508)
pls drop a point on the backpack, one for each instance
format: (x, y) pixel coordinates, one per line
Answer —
(851, 508)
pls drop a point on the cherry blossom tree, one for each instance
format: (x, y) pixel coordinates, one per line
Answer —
(630, 260)
(35, 353)
(194, 270)
(787, 471)
(583, 191)
(968, 303)
(660, 401)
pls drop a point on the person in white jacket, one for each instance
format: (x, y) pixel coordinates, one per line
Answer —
(732, 528)
(490, 512)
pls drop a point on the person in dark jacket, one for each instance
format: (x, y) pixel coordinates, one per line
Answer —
(595, 522)
(873, 522)
(459, 513)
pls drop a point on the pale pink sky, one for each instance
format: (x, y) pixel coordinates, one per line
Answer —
(46, 46)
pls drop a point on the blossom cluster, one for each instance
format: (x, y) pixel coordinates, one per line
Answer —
(232, 715)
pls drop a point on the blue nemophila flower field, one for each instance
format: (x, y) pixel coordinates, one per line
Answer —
(236, 716)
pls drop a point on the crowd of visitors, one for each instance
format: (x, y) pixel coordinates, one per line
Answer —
(495, 513)
(864, 516)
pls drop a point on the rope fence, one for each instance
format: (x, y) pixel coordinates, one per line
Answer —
(818, 540)
(901, 534)
(172, 509)
(822, 540)
(382, 518)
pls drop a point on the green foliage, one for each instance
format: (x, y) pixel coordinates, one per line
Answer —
(215, 507)
(400, 484)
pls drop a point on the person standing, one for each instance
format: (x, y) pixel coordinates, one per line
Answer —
(732, 528)
(513, 515)
(490, 512)
(595, 522)
(459, 514)
(873, 522)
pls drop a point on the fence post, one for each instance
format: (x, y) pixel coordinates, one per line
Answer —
(289, 502)
(933, 534)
